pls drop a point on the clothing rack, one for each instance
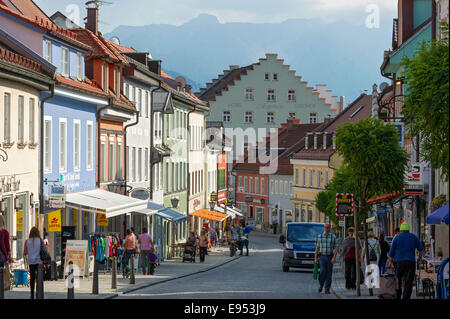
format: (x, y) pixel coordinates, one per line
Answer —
(107, 261)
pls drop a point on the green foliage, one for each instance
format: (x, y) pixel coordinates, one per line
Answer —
(426, 108)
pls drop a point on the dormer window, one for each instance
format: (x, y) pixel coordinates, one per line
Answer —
(48, 51)
(65, 61)
(80, 66)
(105, 74)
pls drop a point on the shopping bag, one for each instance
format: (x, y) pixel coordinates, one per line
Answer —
(316, 271)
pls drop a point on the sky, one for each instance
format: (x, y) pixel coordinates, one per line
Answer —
(177, 12)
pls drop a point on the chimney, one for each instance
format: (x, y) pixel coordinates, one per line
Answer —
(341, 105)
(188, 88)
(92, 20)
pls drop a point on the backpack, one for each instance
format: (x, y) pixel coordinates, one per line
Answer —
(372, 254)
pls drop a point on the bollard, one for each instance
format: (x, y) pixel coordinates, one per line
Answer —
(114, 273)
(132, 279)
(95, 281)
(70, 282)
(2, 288)
(40, 282)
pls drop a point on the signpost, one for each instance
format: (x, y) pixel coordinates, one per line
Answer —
(344, 205)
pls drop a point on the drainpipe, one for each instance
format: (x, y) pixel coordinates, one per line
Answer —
(125, 147)
(98, 139)
(187, 169)
(41, 133)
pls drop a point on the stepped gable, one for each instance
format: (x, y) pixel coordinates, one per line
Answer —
(224, 81)
(28, 11)
(361, 108)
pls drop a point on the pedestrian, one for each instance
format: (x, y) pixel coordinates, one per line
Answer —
(213, 237)
(244, 243)
(349, 258)
(396, 233)
(5, 251)
(325, 254)
(403, 254)
(146, 245)
(32, 249)
(129, 249)
(203, 244)
(384, 245)
(373, 247)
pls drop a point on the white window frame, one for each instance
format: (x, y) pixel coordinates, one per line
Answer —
(75, 150)
(271, 95)
(292, 115)
(48, 51)
(89, 156)
(270, 117)
(147, 103)
(146, 162)
(7, 117)
(105, 76)
(291, 96)
(47, 147)
(248, 117)
(119, 154)
(112, 158)
(139, 161)
(227, 116)
(249, 96)
(262, 189)
(275, 76)
(133, 163)
(64, 169)
(312, 117)
(20, 118)
(31, 119)
(103, 159)
(65, 64)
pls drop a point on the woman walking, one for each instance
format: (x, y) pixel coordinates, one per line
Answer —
(348, 257)
(130, 249)
(203, 245)
(32, 250)
(384, 245)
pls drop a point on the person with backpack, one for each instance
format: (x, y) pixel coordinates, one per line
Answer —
(374, 249)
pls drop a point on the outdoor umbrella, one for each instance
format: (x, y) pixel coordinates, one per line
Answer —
(248, 229)
(438, 216)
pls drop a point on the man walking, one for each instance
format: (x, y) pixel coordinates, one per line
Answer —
(146, 243)
(402, 252)
(325, 254)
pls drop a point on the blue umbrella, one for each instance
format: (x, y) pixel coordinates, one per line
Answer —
(438, 216)
(248, 229)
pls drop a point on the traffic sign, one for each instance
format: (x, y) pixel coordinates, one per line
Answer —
(344, 204)
(341, 223)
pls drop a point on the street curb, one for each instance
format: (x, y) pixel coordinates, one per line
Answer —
(126, 291)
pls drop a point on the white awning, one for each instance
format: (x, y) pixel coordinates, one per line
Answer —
(101, 201)
(152, 209)
(233, 211)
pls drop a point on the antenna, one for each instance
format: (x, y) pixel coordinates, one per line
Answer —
(97, 3)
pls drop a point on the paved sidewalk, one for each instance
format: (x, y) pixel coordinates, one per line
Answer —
(169, 269)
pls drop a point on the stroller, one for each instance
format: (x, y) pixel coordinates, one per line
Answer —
(188, 254)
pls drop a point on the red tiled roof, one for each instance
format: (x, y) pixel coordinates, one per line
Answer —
(170, 85)
(87, 85)
(19, 60)
(122, 48)
(99, 49)
(29, 12)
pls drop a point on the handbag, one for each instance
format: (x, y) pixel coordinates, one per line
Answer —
(43, 253)
(316, 271)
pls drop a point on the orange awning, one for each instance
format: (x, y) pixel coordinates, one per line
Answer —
(207, 214)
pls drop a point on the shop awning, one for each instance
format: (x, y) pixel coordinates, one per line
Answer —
(152, 209)
(101, 201)
(207, 214)
(171, 215)
(231, 211)
(438, 216)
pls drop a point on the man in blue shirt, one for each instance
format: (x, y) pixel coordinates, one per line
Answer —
(403, 253)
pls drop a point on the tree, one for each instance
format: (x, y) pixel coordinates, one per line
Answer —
(374, 164)
(426, 108)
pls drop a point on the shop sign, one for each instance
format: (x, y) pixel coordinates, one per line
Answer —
(248, 199)
(341, 223)
(140, 193)
(76, 252)
(54, 221)
(102, 220)
(414, 179)
(19, 220)
(57, 196)
(344, 204)
(213, 197)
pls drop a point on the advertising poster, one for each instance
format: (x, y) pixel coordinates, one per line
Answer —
(102, 220)
(76, 251)
(54, 221)
(19, 219)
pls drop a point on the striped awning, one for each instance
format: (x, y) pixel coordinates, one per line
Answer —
(207, 214)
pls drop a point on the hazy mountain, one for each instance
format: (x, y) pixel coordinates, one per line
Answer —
(345, 57)
(195, 85)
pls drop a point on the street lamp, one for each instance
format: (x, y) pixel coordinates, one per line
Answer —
(174, 201)
(212, 204)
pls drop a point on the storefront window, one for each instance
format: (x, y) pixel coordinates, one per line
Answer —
(21, 227)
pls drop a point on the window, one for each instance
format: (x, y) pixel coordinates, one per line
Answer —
(47, 144)
(146, 164)
(319, 175)
(248, 117)
(65, 61)
(167, 177)
(312, 117)
(133, 94)
(266, 76)
(296, 176)
(79, 66)
(112, 163)
(270, 117)
(76, 145)
(127, 91)
(292, 115)
(275, 189)
(48, 51)
(310, 178)
(139, 103)
(139, 162)
(90, 145)
(326, 177)
(31, 121)
(310, 214)
(245, 184)
(119, 174)
(116, 83)
(133, 163)
(172, 188)
(227, 116)
(256, 185)
(275, 77)
(304, 177)
(21, 117)
(251, 185)
(270, 95)
(105, 78)
(286, 188)
(7, 118)
(249, 94)
(240, 181)
(62, 145)
(103, 159)
(291, 97)
(263, 188)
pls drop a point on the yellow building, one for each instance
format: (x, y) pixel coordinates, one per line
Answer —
(315, 162)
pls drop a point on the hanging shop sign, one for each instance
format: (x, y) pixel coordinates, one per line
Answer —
(344, 204)
(414, 179)
(102, 220)
(54, 221)
(214, 197)
(57, 196)
(76, 252)
(140, 193)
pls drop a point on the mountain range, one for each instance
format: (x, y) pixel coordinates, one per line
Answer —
(345, 56)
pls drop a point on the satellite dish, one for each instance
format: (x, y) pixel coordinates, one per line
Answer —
(115, 40)
(383, 86)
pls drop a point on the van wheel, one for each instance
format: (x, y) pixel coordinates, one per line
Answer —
(285, 268)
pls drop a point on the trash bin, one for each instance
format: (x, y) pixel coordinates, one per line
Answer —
(20, 277)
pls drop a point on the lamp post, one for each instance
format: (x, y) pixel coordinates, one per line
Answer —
(212, 204)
